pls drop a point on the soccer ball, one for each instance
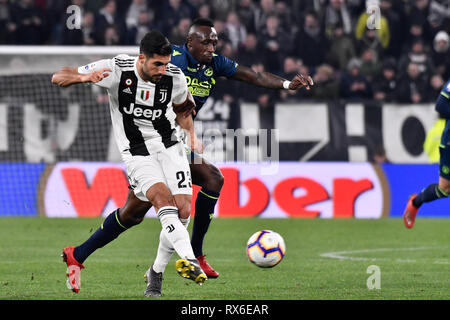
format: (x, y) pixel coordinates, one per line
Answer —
(265, 248)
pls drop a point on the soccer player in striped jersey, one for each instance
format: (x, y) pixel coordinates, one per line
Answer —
(145, 92)
(198, 61)
(435, 190)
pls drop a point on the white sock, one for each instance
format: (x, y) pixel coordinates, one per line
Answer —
(165, 249)
(175, 232)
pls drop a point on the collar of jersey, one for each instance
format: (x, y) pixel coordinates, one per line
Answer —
(192, 62)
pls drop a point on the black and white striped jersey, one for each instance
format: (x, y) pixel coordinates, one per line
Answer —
(141, 111)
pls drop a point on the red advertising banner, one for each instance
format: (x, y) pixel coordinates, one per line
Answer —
(292, 189)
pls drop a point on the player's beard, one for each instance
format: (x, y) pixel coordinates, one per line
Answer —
(152, 78)
(156, 78)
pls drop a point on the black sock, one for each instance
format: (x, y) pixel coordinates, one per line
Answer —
(107, 232)
(204, 212)
(430, 193)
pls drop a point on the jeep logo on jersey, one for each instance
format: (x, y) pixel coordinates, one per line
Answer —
(163, 95)
(145, 94)
(142, 113)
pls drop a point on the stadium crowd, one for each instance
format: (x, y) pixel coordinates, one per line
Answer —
(405, 59)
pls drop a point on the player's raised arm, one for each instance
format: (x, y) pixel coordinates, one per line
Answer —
(271, 81)
(68, 76)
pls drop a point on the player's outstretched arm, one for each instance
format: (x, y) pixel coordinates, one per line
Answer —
(68, 76)
(271, 81)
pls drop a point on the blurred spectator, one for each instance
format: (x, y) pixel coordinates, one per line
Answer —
(379, 31)
(143, 25)
(385, 83)
(412, 86)
(134, 10)
(355, 7)
(436, 84)
(415, 33)
(311, 45)
(180, 31)
(395, 28)
(219, 25)
(7, 25)
(370, 40)
(369, 64)
(28, 22)
(440, 53)
(105, 19)
(417, 55)
(265, 8)
(326, 84)
(336, 13)
(88, 28)
(418, 17)
(275, 45)
(171, 12)
(354, 85)
(204, 11)
(341, 49)
(227, 50)
(220, 8)
(285, 15)
(439, 14)
(235, 30)
(249, 51)
(246, 11)
(111, 36)
(107, 15)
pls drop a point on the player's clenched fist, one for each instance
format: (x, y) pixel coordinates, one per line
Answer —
(301, 81)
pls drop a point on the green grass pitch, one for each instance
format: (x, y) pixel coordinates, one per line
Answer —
(325, 259)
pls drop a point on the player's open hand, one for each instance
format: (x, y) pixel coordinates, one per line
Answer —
(96, 76)
(301, 81)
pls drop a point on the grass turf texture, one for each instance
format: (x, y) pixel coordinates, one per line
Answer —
(31, 266)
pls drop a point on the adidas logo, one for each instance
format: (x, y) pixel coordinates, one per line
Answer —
(127, 90)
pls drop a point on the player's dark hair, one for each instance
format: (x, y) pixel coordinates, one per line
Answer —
(154, 42)
(203, 22)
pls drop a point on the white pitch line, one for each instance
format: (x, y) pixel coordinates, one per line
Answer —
(343, 255)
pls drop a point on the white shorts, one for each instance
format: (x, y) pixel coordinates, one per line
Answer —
(169, 166)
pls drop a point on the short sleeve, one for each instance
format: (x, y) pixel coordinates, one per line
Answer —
(225, 66)
(180, 89)
(99, 65)
(446, 90)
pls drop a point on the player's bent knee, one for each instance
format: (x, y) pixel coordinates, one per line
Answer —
(159, 195)
(215, 179)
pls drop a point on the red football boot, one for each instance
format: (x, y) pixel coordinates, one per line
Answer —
(409, 216)
(73, 269)
(209, 271)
